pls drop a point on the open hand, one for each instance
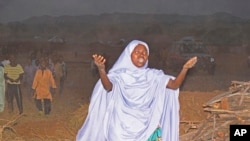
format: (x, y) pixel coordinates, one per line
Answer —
(190, 63)
(99, 61)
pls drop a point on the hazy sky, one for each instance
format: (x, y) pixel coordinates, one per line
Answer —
(15, 10)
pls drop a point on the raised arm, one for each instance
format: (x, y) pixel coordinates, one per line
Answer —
(176, 83)
(100, 63)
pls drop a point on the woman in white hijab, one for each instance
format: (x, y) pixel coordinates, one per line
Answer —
(132, 101)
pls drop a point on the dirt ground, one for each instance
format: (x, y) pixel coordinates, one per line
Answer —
(197, 89)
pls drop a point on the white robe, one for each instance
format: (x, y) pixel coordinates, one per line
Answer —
(138, 103)
(2, 89)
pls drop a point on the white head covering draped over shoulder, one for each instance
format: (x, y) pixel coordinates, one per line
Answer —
(138, 103)
(124, 61)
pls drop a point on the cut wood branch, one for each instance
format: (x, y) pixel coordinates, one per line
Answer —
(226, 111)
(184, 121)
(9, 125)
(242, 95)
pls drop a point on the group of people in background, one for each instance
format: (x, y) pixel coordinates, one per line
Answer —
(43, 75)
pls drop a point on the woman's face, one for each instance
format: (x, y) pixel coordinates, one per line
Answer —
(139, 56)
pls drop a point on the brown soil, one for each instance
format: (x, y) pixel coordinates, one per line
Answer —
(196, 90)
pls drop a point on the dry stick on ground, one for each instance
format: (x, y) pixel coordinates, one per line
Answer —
(8, 125)
(240, 83)
(213, 126)
(242, 95)
(237, 87)
(190, 122)
(210, 131)
(226, 111)
(202, 125)
(217, 128)
(191, 125)
(221, 96)
(218, 98)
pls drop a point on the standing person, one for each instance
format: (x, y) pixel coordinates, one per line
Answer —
(2, 88)
(50, 63)
(58, 70)
(29, 73)
(132, 101)
(2, 82)
(42, 83)
(64, 73)
(13, 74)
(33, 57)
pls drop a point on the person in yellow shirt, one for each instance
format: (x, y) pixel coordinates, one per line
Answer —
(43, 81)
(13, 74)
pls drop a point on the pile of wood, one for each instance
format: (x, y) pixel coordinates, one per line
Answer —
(229, 108)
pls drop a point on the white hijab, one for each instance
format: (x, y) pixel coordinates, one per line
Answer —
(124, 61)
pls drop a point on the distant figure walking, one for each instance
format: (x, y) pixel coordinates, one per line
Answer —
(42, 83)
